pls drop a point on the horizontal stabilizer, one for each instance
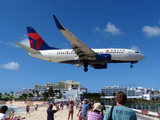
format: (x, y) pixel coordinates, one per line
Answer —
(28, 49)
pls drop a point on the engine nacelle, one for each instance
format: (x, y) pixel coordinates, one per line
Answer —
(103, 57)
(99, 66)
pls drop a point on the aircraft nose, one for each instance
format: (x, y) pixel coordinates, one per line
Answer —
(142, 56)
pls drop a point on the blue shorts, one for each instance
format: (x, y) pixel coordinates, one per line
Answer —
(84, 116)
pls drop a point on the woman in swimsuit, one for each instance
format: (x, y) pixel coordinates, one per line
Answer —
(71, 105)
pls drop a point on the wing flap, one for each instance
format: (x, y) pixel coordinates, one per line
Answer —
(76, 43)
(28, 49)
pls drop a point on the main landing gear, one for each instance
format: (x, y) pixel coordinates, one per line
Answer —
(86, 66)
(131, 65)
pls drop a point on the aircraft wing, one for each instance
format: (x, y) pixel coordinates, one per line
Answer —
(28, 49)
(82, 50)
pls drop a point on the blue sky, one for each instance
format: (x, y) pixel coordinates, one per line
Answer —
(99, 24)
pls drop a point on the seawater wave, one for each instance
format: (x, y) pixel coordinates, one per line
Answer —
(17, 109)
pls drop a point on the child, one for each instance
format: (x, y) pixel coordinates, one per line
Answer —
(79, 115)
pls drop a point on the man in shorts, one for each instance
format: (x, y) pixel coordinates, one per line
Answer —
(121, 112)
(85, 109)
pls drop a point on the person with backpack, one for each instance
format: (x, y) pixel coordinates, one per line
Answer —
(120, 112)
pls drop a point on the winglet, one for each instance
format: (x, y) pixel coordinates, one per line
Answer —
(59, 26)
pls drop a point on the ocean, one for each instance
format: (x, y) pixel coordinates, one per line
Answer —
(17, 109)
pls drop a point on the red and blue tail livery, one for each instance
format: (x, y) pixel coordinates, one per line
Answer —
(36, 42)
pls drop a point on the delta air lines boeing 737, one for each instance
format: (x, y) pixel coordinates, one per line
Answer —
(80, 54)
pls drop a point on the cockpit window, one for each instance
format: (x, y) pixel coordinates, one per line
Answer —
(136, 52)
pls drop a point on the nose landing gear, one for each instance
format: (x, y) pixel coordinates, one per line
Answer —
(86, 66)
(131, 66)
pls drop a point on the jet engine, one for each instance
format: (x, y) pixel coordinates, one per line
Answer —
(99, 66)
(103, 57)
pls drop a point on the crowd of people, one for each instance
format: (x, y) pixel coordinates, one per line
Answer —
(87, 110)
(94, 110)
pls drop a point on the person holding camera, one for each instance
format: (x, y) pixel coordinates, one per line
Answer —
(3, 111)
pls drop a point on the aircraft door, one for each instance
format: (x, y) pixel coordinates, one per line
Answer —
(50, 56)
(129, 56)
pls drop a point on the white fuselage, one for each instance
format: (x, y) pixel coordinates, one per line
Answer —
(60, 55)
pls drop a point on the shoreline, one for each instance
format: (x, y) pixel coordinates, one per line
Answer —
(41, 113)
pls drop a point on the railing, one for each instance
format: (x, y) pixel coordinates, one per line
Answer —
(140, 106)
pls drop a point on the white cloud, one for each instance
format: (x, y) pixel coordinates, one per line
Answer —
(151, 31)
(98, 42)
(111, 28)
(1, 42)
(24, 88)
(158, 22)
(11, 44)
(25, 40)
(96, 29)
(65, 45)
(136, 48)
(10, 65)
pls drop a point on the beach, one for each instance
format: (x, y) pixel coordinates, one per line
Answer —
(41, 113)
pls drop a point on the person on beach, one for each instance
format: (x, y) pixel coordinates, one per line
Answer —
(80, 104)
(62, 105)
(50, 112)
(71, 110)
(59, 104)
(67, 104)
(3, 111)
(27, 110)
(79, 115)
(36, 106)
(120, 112)
(76, 105)
(18, 118)
(85, 110)
(95, 113)
(90, 105)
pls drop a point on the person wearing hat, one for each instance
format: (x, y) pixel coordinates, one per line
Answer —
(120, 112)
(95, 114)
(85, 109)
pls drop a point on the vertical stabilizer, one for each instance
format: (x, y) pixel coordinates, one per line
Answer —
(36, 42)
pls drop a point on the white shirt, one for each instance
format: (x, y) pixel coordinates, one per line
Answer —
(2, 116)
(35, 106)
(80, 105)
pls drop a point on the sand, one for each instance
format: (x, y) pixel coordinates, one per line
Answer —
(41, 113)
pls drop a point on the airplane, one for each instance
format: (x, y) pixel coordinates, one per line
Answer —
(80, 54)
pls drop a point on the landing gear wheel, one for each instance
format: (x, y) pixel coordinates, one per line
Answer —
(86, 66)
(131, 66)
(85, 69)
